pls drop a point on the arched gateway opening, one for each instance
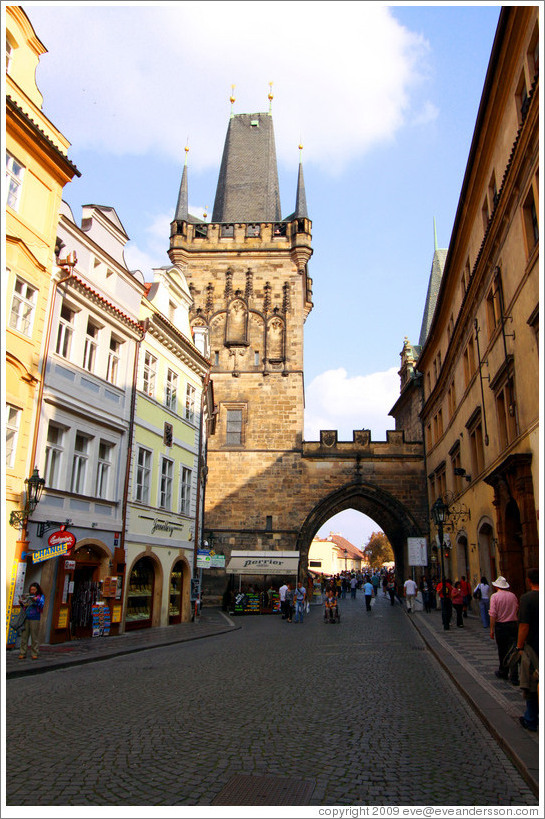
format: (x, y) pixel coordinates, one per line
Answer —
(392, 516)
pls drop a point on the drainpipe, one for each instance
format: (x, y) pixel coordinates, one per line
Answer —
(481, 377)
(198, 499)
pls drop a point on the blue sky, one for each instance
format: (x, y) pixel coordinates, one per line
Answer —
(384, 99)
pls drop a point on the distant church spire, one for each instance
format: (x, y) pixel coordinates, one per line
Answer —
(182, 211)
(437, 266)
(301, 199)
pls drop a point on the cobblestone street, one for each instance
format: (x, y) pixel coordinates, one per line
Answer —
(360, 712)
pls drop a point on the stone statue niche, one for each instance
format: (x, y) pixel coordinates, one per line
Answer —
(275, 340)
(236, 331)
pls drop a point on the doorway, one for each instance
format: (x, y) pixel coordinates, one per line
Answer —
(85, 595)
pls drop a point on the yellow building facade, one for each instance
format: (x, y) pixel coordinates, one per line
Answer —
(37, 169)
(480, 361)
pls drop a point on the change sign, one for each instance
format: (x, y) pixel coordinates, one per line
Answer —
(59, 544)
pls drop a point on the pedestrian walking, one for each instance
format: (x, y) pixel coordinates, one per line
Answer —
(282, 594)
(482, 594)
(458, 603)
(444, 590)
(425, 589)
(353, 586)
(410, 588)
(466, 591)
(344, 586)
(385, 586)
(33, 604)
(504, 625)
(528, 647)
(368, 592)
(300, 602)
(375, 580)
(391, 588)
(290, 596)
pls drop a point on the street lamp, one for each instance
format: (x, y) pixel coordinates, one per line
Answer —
(34, 487)
(440, 512)
(345, 553)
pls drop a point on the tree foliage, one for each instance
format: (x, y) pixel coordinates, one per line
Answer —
(378, 550)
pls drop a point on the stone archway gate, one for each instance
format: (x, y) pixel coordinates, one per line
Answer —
(279, 501)
(384, 480)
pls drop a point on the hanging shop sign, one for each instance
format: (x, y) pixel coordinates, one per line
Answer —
(59, 544)
(203, 558)
(255, 562)
(217, 561)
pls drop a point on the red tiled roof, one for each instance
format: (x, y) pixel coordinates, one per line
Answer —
(342, 543)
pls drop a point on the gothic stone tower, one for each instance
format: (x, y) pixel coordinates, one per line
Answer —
(247, 272)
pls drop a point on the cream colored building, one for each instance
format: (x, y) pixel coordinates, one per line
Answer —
(173, 405)
(333, 555)
(480, 360)
(37, 169)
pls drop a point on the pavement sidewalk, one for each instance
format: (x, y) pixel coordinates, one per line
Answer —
(470, 657)
(78, 652)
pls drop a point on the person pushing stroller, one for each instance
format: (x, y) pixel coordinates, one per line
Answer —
(331, 611)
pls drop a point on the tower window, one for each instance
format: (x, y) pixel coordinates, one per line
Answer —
(233, 432)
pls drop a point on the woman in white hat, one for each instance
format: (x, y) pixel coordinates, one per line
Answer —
(504, 625)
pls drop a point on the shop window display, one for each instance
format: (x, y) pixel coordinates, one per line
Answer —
(175, 598)
(140, 595)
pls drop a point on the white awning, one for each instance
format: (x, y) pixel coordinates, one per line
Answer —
(256, 562)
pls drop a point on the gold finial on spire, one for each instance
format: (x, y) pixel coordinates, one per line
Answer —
(186, 149)
(271, 97)
(232, 99)
(205, 214)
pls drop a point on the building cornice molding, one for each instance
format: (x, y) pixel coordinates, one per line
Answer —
(20, 117)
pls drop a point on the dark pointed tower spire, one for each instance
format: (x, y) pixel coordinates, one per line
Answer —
(437, 266)
(248, 189)
(301, 199)
(182, 207)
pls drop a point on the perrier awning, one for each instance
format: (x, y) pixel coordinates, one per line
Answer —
(255, 562)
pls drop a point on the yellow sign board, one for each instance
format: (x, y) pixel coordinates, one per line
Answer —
(62, 621)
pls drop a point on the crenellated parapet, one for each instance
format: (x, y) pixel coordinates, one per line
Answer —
(189, 237)
(362, 446)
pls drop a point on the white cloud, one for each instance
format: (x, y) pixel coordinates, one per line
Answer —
(138, 259)
(335, 401)
(156, 246)
(428, 113)
(143, 79)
